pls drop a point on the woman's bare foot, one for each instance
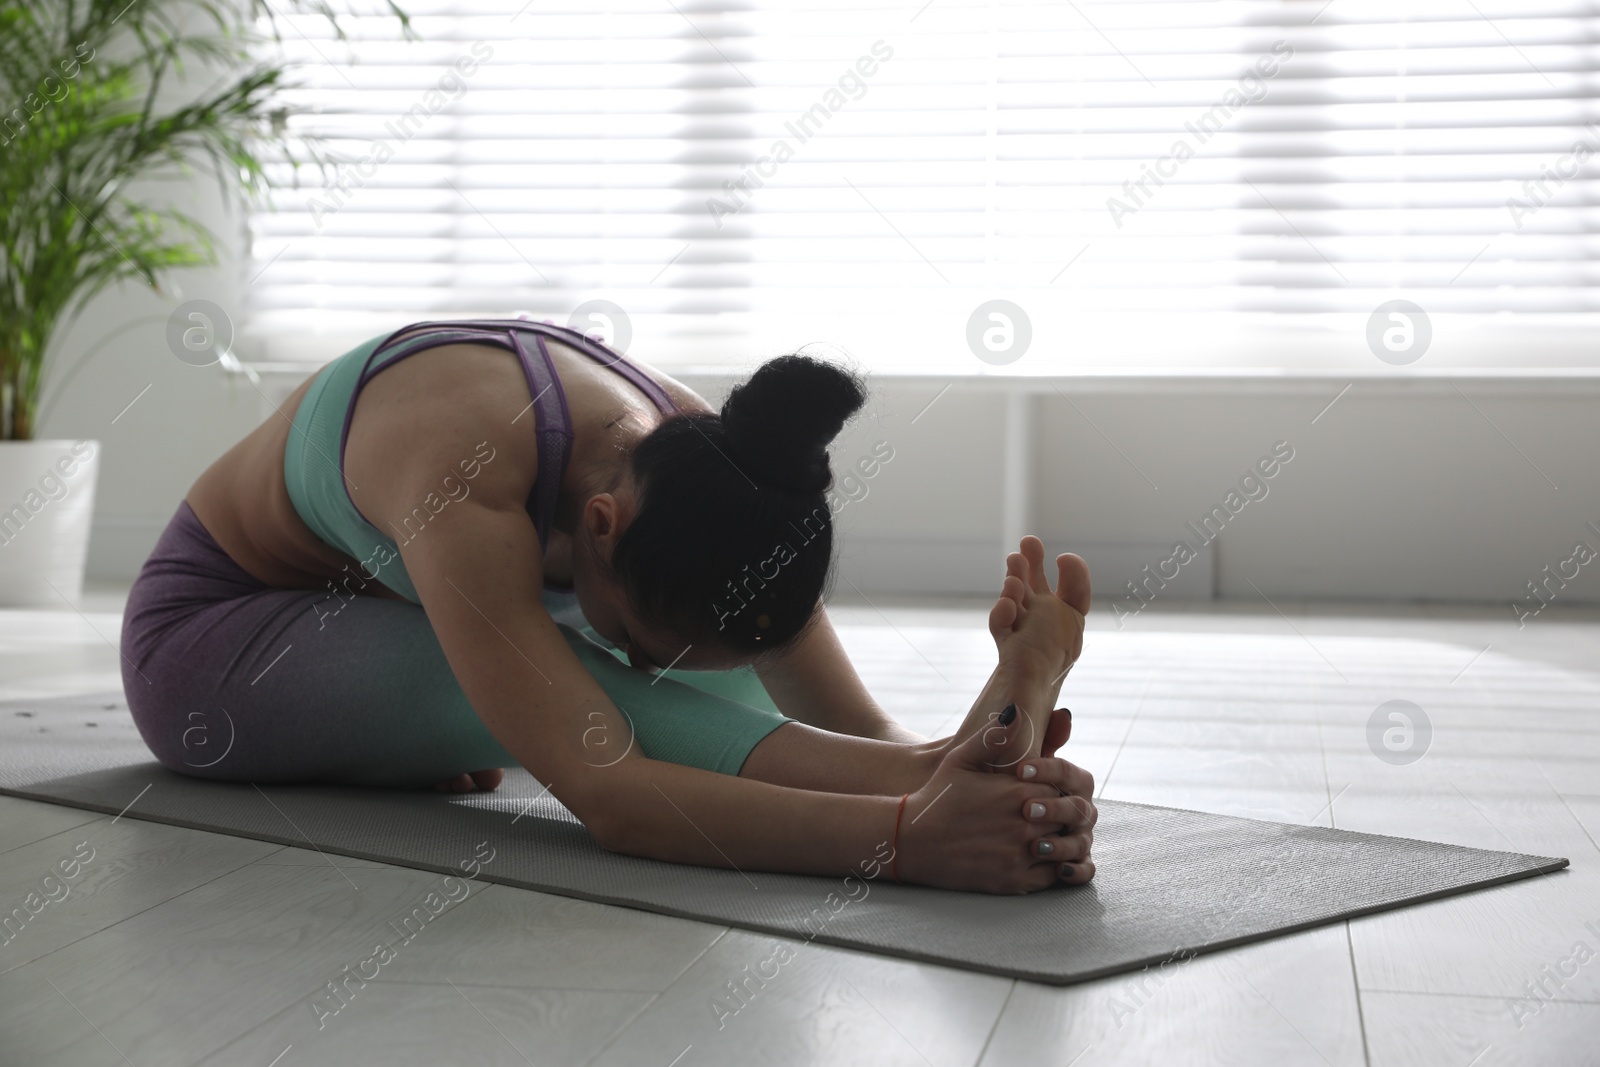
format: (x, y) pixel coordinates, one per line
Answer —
(1037, 635)
(1025, 572)
(1026, 591)
(487, 781)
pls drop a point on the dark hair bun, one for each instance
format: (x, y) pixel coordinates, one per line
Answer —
(780, 422)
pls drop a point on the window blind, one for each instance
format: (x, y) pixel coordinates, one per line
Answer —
(1156, 185)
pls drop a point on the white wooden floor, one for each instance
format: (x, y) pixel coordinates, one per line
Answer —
(180, 947)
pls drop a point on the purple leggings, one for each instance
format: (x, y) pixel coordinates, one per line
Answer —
(233, 679)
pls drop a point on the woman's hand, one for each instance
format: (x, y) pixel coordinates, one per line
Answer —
(969, 828)
(1073, 810)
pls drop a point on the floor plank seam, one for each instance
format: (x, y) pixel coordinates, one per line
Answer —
(285, 1005)
(1132, 721)
(1355, 980)
(125, 918)
(1481, 996)
(1570, 813)
(518, 986)
(94, 816)
(995, 1026)
(625, 1027)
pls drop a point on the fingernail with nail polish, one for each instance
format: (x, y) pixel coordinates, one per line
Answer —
(1008, 715)
(1045, 848)
(1030, 771)
(1036, 811)
(1066, 870)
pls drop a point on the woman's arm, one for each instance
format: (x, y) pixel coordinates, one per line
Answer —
(843, 757)
(803, 757)
(477, 566)
(476, 569)
(814, 682)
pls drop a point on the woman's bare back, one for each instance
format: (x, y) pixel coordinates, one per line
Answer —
(244, 503)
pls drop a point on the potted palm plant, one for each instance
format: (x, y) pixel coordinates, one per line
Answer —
(95, 96)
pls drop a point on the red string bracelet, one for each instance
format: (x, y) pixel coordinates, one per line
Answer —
(894, 853)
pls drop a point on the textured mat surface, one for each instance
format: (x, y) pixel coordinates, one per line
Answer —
(1171, 883)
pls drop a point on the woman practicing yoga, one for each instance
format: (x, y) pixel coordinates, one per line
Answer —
(471, 545)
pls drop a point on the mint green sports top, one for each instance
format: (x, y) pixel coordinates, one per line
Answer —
(313, 459)
(706, 719)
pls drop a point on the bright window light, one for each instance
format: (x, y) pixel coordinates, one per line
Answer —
(1159, 187)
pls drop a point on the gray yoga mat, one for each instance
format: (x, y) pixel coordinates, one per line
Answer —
(1170, 883)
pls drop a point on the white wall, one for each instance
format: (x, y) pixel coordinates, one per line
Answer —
(1400, 490)
(1403, 489)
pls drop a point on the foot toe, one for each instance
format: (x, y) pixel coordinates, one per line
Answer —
(1002, 617)
(1072, 584)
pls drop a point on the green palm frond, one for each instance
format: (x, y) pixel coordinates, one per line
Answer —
(87, 112)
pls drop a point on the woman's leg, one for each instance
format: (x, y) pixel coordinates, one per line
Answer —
(230, 679)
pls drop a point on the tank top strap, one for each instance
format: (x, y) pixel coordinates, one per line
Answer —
(397, 347)
(554, 423)
(609, 357)
(552, 420)
(552, 417)
(596, 351)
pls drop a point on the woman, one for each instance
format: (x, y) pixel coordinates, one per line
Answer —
(468, 545)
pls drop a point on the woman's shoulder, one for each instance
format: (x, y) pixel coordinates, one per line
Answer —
(683, 398)
(574, 364)
(441, 412)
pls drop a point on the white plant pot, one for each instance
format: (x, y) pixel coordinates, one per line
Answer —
(46, 503)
